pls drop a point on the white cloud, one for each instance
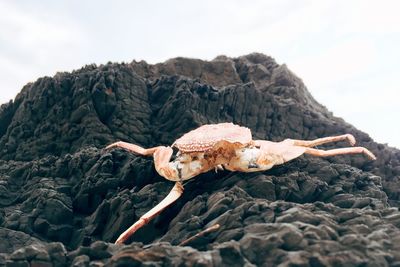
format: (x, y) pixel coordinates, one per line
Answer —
(337, 63)
(371, 17)
(33, 46)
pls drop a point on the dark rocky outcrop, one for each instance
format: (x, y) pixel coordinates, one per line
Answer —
(64, 199)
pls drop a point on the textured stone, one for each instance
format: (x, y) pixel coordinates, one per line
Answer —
(57, 183)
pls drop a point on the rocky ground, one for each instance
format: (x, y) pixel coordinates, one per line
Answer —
(64, 199)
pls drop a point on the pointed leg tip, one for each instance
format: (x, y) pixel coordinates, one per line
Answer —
(116, 144)
(119, 242)
(370, 155)
(108, 147)
(179, 187)
(351, 139)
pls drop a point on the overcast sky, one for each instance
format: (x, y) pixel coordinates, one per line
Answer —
(346, 52)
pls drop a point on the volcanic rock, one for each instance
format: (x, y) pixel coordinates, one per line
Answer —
(64, 199)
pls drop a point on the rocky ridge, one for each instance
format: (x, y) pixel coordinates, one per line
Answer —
(65, 200)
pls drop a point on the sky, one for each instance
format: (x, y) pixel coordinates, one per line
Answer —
(347, 52)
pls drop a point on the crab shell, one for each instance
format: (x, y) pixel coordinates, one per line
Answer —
(208, 136)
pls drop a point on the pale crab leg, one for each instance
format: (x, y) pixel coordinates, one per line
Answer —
(350, 138)
(340, 151)
(286, 150)
(281, 152)
(164, 167)
(134, 148)
(200, 234)
(173, 195)
(162, 156)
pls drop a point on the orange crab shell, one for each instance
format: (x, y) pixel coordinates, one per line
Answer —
(207, 136)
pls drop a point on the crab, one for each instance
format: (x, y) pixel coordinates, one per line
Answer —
(224, 146)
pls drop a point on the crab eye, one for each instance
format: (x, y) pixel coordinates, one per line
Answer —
(195, 158)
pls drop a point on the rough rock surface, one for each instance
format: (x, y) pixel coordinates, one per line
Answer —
(64, 200)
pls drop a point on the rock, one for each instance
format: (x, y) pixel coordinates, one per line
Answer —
(231, 254)
(29, 253)
(81, 261)
(57, 183)
(39, 263)
(17, 264)
(12, 241)
(58, 253)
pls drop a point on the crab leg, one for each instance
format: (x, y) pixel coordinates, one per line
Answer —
(134, 148)
(290, 149)
(340, 151)
(350, 138)
(162, 156)
(284, 151)
(164, 167)
(173, 195)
